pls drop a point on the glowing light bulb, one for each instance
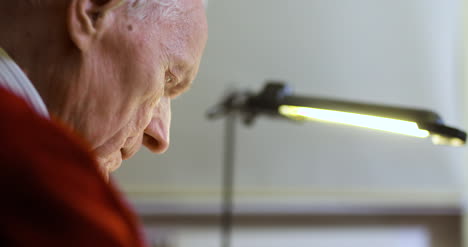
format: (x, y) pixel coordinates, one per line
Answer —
(354, 119)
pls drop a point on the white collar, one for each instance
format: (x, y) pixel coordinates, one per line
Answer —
(13, 79)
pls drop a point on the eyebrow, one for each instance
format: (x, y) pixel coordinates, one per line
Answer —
(182, 87)
(185, 72)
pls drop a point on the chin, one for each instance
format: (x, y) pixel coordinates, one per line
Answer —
(110, 163)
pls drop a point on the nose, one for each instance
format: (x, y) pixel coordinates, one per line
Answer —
(156, 135)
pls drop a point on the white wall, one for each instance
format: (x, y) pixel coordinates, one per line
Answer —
(402, 52)
(464, 169)
(354, 236)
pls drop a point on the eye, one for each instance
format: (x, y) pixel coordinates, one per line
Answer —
(171, 79)
(171, 84)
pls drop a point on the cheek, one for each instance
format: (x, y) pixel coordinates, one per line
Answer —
(145, 71)
(143, 83)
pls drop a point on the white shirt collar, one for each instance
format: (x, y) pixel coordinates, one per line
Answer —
(13, 79)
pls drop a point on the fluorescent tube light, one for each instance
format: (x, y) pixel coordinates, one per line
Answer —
(354, 119)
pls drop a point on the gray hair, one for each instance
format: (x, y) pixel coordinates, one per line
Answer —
(138, 8)
(166, 8)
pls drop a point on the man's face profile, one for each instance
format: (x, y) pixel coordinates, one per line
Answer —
(113, 66)
(131, 71)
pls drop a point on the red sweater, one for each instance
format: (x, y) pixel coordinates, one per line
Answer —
(52, 193)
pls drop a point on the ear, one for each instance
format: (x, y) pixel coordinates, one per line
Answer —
(88, 19)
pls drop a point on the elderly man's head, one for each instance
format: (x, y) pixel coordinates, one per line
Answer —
(108, 68)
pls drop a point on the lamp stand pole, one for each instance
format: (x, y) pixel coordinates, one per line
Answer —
(228, 179)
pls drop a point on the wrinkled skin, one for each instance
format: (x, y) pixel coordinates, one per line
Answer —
(111, 76)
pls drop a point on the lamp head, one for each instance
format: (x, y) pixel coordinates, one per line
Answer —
(277, 100)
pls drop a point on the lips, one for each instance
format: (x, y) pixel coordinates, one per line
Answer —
(112, 161)
(131, 147)
(126, 154)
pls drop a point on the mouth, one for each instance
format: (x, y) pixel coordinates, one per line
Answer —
(124, 154)
(131, 147)
(127, 153)
(111, 162)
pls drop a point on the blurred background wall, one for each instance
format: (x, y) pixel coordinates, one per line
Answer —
(398, 52)
(464, 179)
